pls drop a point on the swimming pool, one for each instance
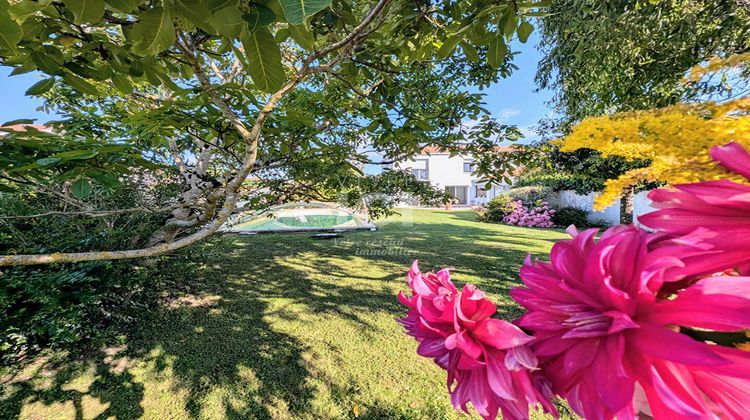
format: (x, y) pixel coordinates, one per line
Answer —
(299, 217)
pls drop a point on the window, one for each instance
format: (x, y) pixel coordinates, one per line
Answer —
(468, 167)
(420, 174)
(479, 191)
(420, 169)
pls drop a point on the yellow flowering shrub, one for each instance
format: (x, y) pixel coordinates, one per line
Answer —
(715, 65)
(676, 139)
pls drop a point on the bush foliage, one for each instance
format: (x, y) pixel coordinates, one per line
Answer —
(559, 182)
(535, 196)
(65, 304)
(567, 216)
(496, 209)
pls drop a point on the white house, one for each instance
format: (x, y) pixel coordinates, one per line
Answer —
(453, 174)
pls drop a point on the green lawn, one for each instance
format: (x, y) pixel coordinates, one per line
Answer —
(283, 326)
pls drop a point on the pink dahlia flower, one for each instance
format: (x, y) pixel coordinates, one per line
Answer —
(717, 212)
(612, 348)
(487, 361)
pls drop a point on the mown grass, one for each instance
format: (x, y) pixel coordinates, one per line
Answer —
(281, 326)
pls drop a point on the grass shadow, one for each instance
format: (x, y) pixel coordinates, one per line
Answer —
(234, 331)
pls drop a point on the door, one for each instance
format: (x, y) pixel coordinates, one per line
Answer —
(461, 193)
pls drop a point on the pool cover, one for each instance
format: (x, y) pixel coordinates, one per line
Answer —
(299, 217)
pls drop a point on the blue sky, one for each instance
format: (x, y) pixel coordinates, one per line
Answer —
(512, 100)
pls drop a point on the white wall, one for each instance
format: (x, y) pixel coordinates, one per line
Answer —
(609, 215)
(641, 206)
(446, 171)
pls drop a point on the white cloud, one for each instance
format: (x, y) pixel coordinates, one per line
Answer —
(506, 113)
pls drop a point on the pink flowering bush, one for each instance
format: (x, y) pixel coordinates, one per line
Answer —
(633, 324)
(539, 216)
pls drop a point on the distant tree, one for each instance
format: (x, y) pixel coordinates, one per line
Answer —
(602, 57)
(232, 100)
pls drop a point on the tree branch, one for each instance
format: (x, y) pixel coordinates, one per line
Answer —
(250, 136)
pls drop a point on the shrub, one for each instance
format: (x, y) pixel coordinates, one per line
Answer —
(66, 304)
(539, 216)
(581, 184)
(534, 196)
(567, 216)
(62, 305)
(496, 209)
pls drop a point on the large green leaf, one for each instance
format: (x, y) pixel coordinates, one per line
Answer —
(85, 10)
(22, 10)
(81, 188)
(470, 52)
(10, 33)
(80, 84)
(228, 21)
(18, 121)
(195, 12)
(41, 86)
(264, 60)
(216, 5)
(126, 6)
(46, 62)
(76, 154)
(496, 52)
(154, 32)
(122, 83)
(295, 11)
(448, 46)
(258, 16)
(524, 30)
(302, 36)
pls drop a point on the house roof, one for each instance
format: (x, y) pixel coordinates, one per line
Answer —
(427, 150)
(23, 127)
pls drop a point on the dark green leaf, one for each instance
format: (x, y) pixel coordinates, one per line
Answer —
(215, 5)
(80, 84)
(19, 121)
(258, 16)
(195, 12)
(496, 52)
(48, 59)
(508, 22)
(136, 68)
(228, 22)
(448, 46)
(524, 30)
(264, 60)
(22, 10)
(85, 10)
(154, 32)
(470, 52)
(302, 36)
(41, 87)
(295, 11)
(122, 83)
(126, 6)
(81, 188)
(76, 154)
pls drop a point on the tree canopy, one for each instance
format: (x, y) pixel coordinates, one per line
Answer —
(611, 56)
(236, 101)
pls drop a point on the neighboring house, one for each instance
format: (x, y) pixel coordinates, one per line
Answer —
(453, 174)
(23, 127)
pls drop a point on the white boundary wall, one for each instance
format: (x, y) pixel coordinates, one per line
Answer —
(641, 206)
(610, 215)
